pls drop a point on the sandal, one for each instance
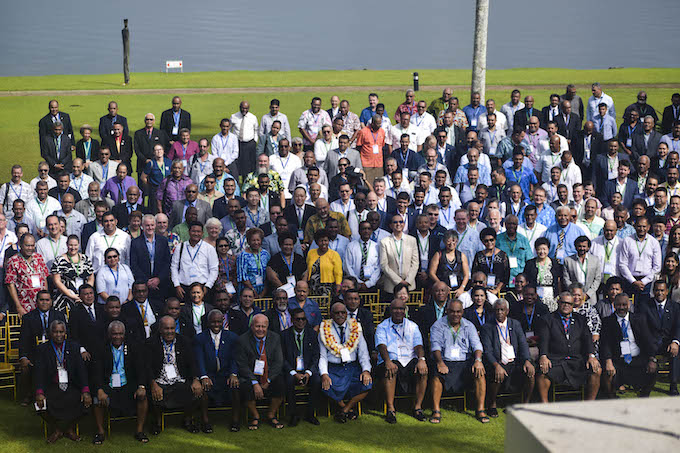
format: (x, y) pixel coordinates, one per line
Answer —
(352, 415)
(492, 412)
(190, 426)
(141, 437)
(156, 429)
(436, 417)
(341, 417)
(391, 417)
(71, 435)
(98, 439)
(207, 428)
(254, 424)
(419, 415)
(275, 423)
(482, 418)
(235, 427)
(55, 436)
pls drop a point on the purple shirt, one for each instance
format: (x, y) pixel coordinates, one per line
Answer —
(115, 189)
(172, 190)
(177, 150)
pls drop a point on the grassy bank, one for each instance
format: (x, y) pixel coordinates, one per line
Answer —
(358, 78)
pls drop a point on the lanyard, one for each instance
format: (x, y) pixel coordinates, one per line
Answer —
(447, 217)
(299, 338)
(55, 250)
(201, 312)
(252, 219)
(398, 248)
(530, 320)
(198, 249)
(88, 146)
(261, 346)
(115, 276)
(41, 206)
(637, 244)
(481, 319)
(489, 262)
(117, 357)
(404, 159)
(259, 264)
(289, 265)
(21, 190)
(168, 350)
(565, 324)
(76, 266)
(113, 240)
(225, 263)
(454, 333)
(175, 117)
(59, 353)
(402, 336)
(504, 333)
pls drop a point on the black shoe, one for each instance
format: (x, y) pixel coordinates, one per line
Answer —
(674, 390)
(155, 429)
(190, 426)
(492, 412)
(391, 417)
(294, 420)
(352, 415)
(207, 428)
(312, 419)
(341, 417)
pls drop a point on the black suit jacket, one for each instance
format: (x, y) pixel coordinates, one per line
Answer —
(94, 150)
(219, 208)
(310, 349)
(553, 342)
(184, 358)
(106, 126)
(578, 149)
(666, 328)
(238, 321)
(611, 337)
(85, 331)
(54, 192)
(601, 173)
(125, 154)
(365, 318)
(425, 317)
(134, 324)
(53, 156)
(45, 371)
(168, 122)
(290, 214)
(628, 196)
(144, 145)
(32, 330)
(522, 117)
(247, 354)
(639, 147)
(140, 262)
(45, 126)
(120, 211)
(133, 363)
(186, 316)
(570, 130)
(491, 341)
(489, 316)
(545, 116)
(667, 119)
(517, 312)
(88, 230)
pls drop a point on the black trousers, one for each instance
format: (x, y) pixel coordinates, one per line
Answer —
(246, 157)
(314, 387)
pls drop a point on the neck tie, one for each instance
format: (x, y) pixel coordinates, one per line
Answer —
(560, 243)
(241, 128)
(44, 321)
(352, 315)
(342, 335)
(90, 310)
(364, 256)
(299, 342)
(624, 331)
(660, 310)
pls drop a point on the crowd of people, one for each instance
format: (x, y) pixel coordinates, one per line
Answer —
(545, 243)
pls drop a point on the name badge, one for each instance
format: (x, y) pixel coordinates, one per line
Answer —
(344, 355)
(35, 281)
(62, 375)
(289, 289)
(453, 280)
(612, 174)
(540, 291)
(513, 262)
(491, 280)
(453, 354)
(147, 331)
(587, 154)
(423, 265)
(560, 255)
(259, 368)
(473, 121)
(507, 353)
(259, 280)
(78, 283)
(175, 130)
(291, 280)
(376, 149)
(625, 347)
(170, 371)
(609, 268)
(299, 364)
(230, 288)
(629, 142)
(639, 267)
(530, 333)
(115, 381)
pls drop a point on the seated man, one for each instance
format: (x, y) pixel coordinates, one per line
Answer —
(61, 392)
(506, 353)
(215, 354)
(260, 367)
(280, 317)
(628, 350)
(173, 374)
(457, 352)
(301, 365)
(566, 351)
(344, 363)
(402, 359)
(119, 382)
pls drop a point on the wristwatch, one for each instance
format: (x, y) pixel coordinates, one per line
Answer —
(141, 387)
(653, 359)
(422, 358)
(478, 359)
(592, 356)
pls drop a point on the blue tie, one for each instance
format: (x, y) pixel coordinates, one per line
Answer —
(624, 330)
(659, 310)
(44, 316)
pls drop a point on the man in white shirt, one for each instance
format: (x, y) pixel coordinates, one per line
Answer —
(416, 138)
(244, 126)
(38, 208)
(501, 119)
(446, 210)
(571, 173)
(79, 180)
(111, 236)
(531, 229)
(344, 204)
(324, 145)
(43, 175)
(14, 190)
(423, 120)
(225, 145)
(511, 108)
(285, 163)
(606, 249)
(311, 121)
(193, 261)
(491, 134)
(275, 115)
(597, 98)
(54, 244)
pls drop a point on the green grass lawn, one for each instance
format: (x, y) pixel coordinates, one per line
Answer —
(236, 79)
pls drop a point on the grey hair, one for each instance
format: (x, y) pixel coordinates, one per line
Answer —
(55, 323)
(213, 221)
(501, 302)
(148, 217)
(113, 325)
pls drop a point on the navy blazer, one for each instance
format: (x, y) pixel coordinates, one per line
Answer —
(553, 342)
(611, 337)
(106, 126)
(121, 214)
(491, 341)
(32, 329)
(45, 126)
(85, 331)
(601, 172)
(578, 149)
(144, 145)
(140, 262)
(186, 317)
(88, 230)
(219, 208)
(134, 324)
(168, 122)
(153, 358)
(45, 371)
(125, 154)
(204, 353)
(310, 349)
(413, 160)
(665, 328)
(628, 196)
(53, 156)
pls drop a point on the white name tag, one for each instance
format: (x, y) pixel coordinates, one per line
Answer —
(258, 280)
(62, 375)
(513, 262)
(540, 291)
(259, 368)
(625, 347)
(230, 288)
(35, 281)
(612, 174)
(609, 268)
(473, 121)
(639, 267)
(560, 255)
(289, 289)
(629, 142)
(301, 234)
(376, 149)
(491, 280)
(170, 371)
(344, 355)
(175, 130)
(147, 331)
(453, 353)
(115, 380)
(291, 280)
(507, 353)
(299, 364)
(530, 333)
(423, 265)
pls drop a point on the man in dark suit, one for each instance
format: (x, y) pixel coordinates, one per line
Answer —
(175, 119)
(447, 155)
(215, 353)
(194, 314)
(522, 115)
(62, 188)
(107, 121)
(550, 112)
(663, 319)
(146, 138)
(280, 318)
(260, 370)
(55, 148)
(430, 312)
(629, 185)
(172, 373)
(120, 145)
(671, 114)
(119, 379)
(122, 211)
(34, 329)
(601, 167)
(234, 320)
(566, 351)
(150, 259)
(100, 208)
(506, 356)
(140, 314)
(55, 116)
(301, 365)
(83, 325)
(179, 207)
(586, 146)
(568, 123)
(646, 143)
(627, 349)
(298, 212)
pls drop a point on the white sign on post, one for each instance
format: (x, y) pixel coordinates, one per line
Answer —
(174, 64)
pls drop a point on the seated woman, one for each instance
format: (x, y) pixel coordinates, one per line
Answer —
(114, 279)
(450, 265)
(515, 294)
(70, 271)
(481, 311)
(286, 266)
(61, 392)
(324, 266)
(226, 278)
(251, 264)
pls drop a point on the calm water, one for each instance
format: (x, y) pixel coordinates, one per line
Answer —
(83, 37)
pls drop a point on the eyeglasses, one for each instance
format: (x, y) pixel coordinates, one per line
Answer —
(148, 119)
(343, 165)
(111, 257)
(43, 170)
(223, 245)
(397, 222)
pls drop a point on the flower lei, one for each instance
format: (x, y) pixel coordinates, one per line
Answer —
(331, 343)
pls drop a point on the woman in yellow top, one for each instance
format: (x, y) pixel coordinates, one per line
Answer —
(325, 267)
